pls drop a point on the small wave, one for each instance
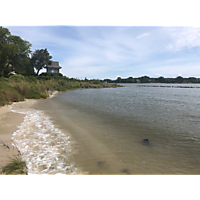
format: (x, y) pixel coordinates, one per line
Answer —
(44, 148)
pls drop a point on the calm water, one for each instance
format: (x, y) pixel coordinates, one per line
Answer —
(107, 128)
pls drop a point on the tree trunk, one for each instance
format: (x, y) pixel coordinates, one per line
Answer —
(38, 71)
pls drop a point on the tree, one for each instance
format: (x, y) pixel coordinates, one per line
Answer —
(130, 80)
(40, 59)
(118, 80)
(192, 80)
(161, 79)
(4, 34)
(20, 60)
(179, 79)
(5, 49)
(14, 53)
(145, 79)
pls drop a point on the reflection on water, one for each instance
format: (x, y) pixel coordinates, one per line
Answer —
(108, 128)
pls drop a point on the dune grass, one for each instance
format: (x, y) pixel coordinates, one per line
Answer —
(15, 167)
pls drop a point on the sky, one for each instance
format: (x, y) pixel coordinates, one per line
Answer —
(102, 52)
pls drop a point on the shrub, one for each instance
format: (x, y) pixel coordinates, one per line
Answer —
(17, 77)
(16, 166)
(9, 94)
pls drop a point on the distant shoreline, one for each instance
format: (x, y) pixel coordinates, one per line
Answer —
(168, 86)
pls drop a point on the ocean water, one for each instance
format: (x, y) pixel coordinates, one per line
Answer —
(102, 131)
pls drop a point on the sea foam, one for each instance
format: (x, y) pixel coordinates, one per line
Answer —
(44, 148)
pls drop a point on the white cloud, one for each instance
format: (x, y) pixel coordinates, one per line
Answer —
(182, 38)
(143, 35)
(187, 70)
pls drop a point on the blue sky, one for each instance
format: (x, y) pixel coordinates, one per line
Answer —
(111, 51)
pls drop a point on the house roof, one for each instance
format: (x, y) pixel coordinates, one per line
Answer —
(54, 65)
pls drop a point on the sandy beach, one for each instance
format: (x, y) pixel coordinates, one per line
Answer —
(9, 122)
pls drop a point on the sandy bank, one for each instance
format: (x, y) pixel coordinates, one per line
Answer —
(9, 122)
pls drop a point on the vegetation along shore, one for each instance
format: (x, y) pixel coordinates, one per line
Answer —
(17, 88)
(20, 80)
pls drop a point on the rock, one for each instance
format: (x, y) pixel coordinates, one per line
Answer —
(146, 141)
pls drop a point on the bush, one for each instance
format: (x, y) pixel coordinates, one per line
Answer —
(8, 94)
(17, 77)
(95, 81)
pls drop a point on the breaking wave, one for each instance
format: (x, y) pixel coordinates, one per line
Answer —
(44, 148)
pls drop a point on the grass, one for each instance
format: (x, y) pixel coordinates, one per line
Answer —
(15, 167)
(18, 87)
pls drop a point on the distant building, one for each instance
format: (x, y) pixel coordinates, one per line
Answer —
(53, 67)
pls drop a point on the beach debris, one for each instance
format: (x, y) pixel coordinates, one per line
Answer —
(19, 153)
(4, 144)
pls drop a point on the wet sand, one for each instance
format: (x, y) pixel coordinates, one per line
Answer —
(9, 122)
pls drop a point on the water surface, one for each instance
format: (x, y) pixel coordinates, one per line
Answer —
(107, 128)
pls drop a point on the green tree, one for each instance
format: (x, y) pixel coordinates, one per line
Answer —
(21, 59)
(179, 79)
(40, 58)
(14, 53)
(161, 79)
(4, 34)
(130, 80)
(145, 79)
(192, 80)
(5, 49)
(6, 52)
(118, 80)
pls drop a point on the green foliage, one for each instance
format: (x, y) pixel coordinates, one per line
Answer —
(118, 80)
(95, 81)
(4, 34)
(16, 166)
(179, 79)
(8, 94)
(146, 79)
(20, 60)
(161, 79)
(40, 58)
(17, 87)
(86, 79)
(130, 80)
(14, 54)
(17, 77)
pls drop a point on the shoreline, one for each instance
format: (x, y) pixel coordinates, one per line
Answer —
(10, 122)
